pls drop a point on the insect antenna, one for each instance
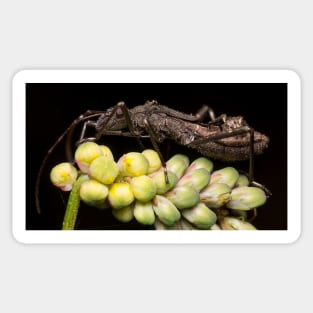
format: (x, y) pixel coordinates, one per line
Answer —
(86, 116)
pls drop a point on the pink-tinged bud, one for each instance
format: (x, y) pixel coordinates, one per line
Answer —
(144, 213)
(200, 216)
(215, 195)
(178, 164)
(227, 175)
(201, 162)
(160, 182)
(63, 176)
(246, 198)
(183, 197)
(85, 154)
(198, 179)
(165, 210)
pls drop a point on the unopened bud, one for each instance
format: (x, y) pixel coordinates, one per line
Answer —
(104, 170)
(159, 180)
(143, 187)
(153, 159)
(120, 195)
(143, 212)
(93, 193)
(63, 176)
(200, 216)
(198, 179)
(165, 210)
(215, 195)
(178, 164)
(201, 162)
(124, 215)
(227, 175)
(85, 154)
(133, 164)
(183, 197)
(246, 198)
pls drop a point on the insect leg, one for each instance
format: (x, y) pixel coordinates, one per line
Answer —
(199, 116)
(153, 139)
(223, 135)
(121, 106)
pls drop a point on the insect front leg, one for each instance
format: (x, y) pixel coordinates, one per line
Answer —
(121, 110)
(153, 139)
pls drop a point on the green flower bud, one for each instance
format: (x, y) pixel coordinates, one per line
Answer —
(242, 181)
(183, 197)
(93, 193)
(85, 154)
(63, 176)
(143, 187)
(124, 215)
(165, 210)
(201, 216)
(153, 159)
(178, 164)
(106, 151)
(143, 212)
(232, 223)
(160, 182)
(246, 198)
(215, 195)
(201, 162)
(198, 179)
(227, 175)
(133, 164)
(120, 195)
(103, 170)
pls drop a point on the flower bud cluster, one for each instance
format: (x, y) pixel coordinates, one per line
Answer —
(180, 196)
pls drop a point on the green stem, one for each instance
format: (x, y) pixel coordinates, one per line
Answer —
(73, 205)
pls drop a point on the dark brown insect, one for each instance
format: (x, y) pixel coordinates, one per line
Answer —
(224, 138)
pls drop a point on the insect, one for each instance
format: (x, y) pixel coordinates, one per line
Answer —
(224, 138)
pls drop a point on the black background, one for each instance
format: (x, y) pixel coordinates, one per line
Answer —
(50, 109)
